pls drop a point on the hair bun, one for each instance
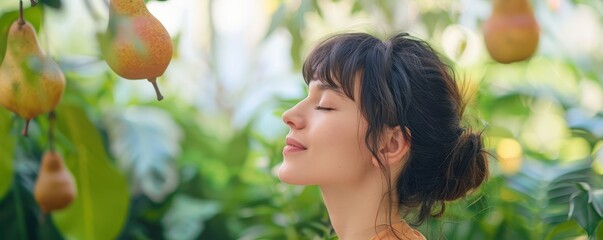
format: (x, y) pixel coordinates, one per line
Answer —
(467, 167)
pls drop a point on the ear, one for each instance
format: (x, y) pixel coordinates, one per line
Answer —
(394, 147)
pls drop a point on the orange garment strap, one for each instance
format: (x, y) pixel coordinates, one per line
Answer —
(402, 231)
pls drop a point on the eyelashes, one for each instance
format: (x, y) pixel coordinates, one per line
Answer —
(320, 108)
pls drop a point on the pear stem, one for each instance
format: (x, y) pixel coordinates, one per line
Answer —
(21, 19)
(33, 2)
(25, 129)
(154, 82)
(51, 118)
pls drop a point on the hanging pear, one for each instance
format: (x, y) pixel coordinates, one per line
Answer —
(31, 83)
(512, 32)
(136, 44)
(55, 187)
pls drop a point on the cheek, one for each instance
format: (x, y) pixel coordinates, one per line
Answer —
(341, 141)
(340, 152)
(337, 154)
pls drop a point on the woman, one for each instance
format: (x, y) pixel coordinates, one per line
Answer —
(380, 133)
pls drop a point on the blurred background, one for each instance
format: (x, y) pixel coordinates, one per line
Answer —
(201, 164)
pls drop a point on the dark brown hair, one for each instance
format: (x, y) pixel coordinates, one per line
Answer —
(403, 82)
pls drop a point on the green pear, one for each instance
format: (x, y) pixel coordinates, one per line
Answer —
(31, 83)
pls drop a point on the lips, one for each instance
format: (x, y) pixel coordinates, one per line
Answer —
(294, 143)
(293, 146)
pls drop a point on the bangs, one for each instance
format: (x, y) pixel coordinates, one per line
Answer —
(339, 61)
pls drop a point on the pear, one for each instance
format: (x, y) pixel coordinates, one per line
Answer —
(137, 45)
(31, 83)
(512, 32)
(55, 187)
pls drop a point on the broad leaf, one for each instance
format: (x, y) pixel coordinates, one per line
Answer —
(146, 142)
(584, 210)
(52, 3)
(19, 212)
(599, 233)
(545, 190)
(566, 230)
(101, 207)
(7, 143)
(597, 201)
(186, 217)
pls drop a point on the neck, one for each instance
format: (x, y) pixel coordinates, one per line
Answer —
(358, 210)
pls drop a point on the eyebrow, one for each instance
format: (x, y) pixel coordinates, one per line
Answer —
(324, 87)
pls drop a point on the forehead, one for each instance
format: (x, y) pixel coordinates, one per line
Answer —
(340, 61)
(321, 85)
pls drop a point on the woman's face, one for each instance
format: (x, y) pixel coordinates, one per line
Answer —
(325, 144)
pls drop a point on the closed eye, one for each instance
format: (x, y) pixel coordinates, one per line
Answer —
(323, 108)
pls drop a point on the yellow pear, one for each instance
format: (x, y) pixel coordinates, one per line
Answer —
(512, 32)
(55, 187)
(30, 82)
(137, 45)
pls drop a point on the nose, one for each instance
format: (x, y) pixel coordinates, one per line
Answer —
(293, 117)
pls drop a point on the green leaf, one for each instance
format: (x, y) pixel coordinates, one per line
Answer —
(237, 149)
(187, 216)
(7, 143)
(101, 207)
(582, 209)
(565, 230)
(146, 142)
(215, 173)
(52, 3)
(597, 201)
(20, 217)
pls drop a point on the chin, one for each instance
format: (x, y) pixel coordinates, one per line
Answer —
(293, 178)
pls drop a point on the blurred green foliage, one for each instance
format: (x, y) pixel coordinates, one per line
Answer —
(166, 170)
